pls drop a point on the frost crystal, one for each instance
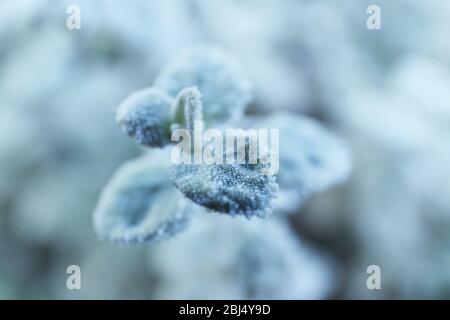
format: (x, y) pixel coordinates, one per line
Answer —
(225, 91)
(233, 189)
(241, 188)
(146, 115)
(139, 204)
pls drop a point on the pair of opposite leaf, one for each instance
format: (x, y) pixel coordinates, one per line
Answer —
(141, 203)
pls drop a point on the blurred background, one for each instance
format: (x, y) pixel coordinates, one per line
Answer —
(386, 92)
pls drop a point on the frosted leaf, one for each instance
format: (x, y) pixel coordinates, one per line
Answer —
(224, 90)
(139, 204)
(146, 116)
(312, 159)
(188, 108)
(260, 259)
(232, 189)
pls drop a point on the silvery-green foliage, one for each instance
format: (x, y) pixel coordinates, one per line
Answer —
(239, 189)
(139, 204)
(146, 116)
(225, 91)
(238, 259)
(312, 159)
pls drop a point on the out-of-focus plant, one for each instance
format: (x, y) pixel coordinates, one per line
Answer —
(261, 259)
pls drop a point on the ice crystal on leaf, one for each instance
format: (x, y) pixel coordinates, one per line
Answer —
(139, 204)
(233, 189)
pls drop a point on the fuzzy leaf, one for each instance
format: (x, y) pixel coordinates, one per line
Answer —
(139, 204)
(226, 188)
(146, 116)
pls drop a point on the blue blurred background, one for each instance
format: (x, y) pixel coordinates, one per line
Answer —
(386, 92)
